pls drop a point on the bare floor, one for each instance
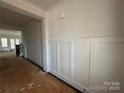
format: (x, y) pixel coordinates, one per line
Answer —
(20, 76)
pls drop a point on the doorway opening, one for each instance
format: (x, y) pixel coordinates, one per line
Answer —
(24, 35)
(8, 40)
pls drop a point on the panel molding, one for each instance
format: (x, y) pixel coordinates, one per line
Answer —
(91, 51)
(71, 60)
(58, 57)
(88, 37)
(93, 55)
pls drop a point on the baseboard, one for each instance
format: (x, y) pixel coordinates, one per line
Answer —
(65, 83)
(34, 63)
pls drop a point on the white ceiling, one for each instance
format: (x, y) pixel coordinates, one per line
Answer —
(44, 4)
(9, 32)
(14, 19)
(11, 18)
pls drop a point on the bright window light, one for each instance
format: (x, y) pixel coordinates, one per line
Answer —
(4, 42)
(17, 41)
(12, 44)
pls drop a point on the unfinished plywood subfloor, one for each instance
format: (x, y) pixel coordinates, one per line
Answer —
(20, 76)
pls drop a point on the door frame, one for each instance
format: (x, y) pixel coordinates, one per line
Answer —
(41, 15)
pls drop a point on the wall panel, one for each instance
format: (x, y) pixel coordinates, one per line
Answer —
(80, 63)
(53, 57)
(32, 35)
(87, 63)
(107, 64)
(64, 59)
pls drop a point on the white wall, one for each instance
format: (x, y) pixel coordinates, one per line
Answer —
(85, 18)
(32, 39)
(87, 43)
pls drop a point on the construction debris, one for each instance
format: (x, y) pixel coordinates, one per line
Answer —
(32, 85)
(22, 89)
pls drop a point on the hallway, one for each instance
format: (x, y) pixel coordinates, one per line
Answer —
(20, 76)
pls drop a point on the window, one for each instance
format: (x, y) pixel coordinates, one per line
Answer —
(17, 41)
(4, 42)
(12, 44)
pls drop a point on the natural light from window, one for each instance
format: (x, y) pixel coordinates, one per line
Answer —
(4, 42)
(17, 41)
(12, 44)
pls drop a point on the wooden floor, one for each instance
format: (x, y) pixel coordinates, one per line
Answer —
(20, 76)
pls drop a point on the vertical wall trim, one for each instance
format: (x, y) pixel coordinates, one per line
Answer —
(69, 44)
(71, 60)
(90, 65)
(58, 57)
(41, 59)
(93, 49)
(46, 61)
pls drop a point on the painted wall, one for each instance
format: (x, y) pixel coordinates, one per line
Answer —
(32, 39)
(83, 18)
(86, 41)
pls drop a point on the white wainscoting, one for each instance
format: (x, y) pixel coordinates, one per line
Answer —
(87, 62)
(64, 59)
(80, 64)
(107, 64)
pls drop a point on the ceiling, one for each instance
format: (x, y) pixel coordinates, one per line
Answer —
(44, 4)
(9, 32)
(14, 19)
